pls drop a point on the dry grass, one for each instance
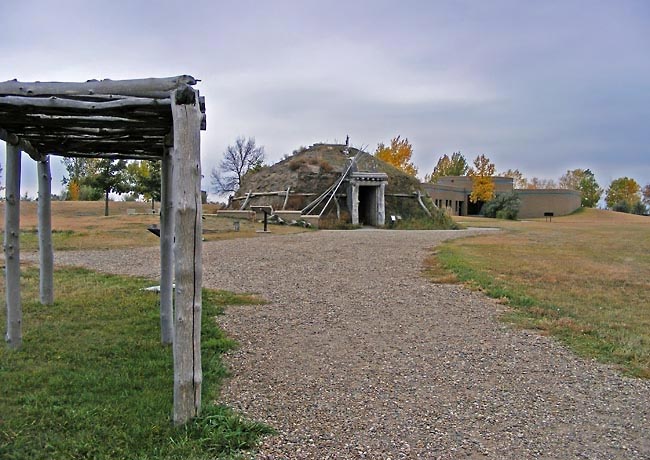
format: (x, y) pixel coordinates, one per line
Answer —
(82, 225)
(584, 278)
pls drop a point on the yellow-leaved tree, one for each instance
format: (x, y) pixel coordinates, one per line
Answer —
(482, 183)
(397, 154)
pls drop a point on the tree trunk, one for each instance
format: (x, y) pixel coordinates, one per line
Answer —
(106, 203)
(12, 248)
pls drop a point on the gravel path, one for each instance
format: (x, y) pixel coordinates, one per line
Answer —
(358, 356)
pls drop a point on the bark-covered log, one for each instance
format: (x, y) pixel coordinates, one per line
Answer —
(12, 248)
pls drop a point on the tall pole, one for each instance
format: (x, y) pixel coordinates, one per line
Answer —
(166, 252)
(186, 171)
(46, 253)
(12, 248)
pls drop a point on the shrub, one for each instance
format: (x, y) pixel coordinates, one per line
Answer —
(502, 206)
(296, 164)
(622, 206)
(639, 208)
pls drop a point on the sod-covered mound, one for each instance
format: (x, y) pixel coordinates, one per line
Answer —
(309, 172)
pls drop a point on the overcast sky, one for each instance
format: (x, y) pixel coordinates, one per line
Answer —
(538, 86)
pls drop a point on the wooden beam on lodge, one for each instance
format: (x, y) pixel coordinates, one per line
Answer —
(186, 173)
(145, 87)
(46, 253)
(13, 334)
(21, 144)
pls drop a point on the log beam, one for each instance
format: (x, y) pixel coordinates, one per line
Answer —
(46, 253)
(186, 172)
(13, 334)
(145, 87)
(21, 144)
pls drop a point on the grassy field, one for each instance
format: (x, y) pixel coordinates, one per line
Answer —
(93, 381)
(584, 278)
(82, 225)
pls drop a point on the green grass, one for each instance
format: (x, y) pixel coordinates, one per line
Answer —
(583, 279)
(93, 381)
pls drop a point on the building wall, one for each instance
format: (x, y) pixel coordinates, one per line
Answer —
(452, 193)
(534, 203)
(448, 197)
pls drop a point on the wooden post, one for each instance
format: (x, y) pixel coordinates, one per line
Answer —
(186, 172)
(166, 252)
(46, 252)
(12, 248)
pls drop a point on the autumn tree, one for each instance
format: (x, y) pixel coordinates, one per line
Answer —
(623, 192)
(571, 179)
(144, 178)
(518, 179)
(456, 165)
(482, 183)
(77, 178)
(397, 154)
(539, 184)
(109, 176)
(238, 159)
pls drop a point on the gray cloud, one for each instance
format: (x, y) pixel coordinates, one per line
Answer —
(542, 87)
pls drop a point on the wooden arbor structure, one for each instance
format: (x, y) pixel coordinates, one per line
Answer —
(156, 119)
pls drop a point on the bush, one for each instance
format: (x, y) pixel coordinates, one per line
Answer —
(639, 208)
(502, 206)
(622, 206)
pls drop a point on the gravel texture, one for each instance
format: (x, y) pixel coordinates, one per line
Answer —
(356, 355)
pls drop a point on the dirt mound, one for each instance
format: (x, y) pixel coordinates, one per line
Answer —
(311, 171)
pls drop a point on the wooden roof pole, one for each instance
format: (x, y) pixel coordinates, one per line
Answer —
(144, 87)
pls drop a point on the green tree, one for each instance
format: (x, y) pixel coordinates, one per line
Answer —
(144, 178)
(623, 190)
(238, 159)
(584, 181)
(456, 165)
(518, 179)
(398, 154)
(482, 183)
(109, 176)
(590, 191)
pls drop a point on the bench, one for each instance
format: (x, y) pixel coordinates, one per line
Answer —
(548, 216)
